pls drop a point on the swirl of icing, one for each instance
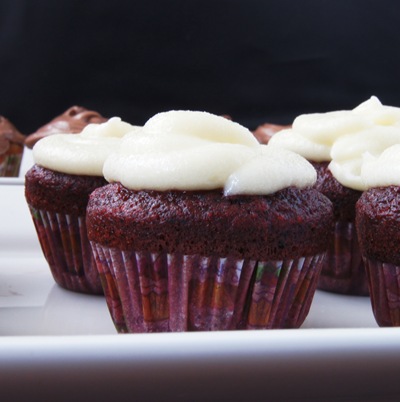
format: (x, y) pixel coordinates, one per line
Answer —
(72, 121)
(83, 153)
(191, 150)
(382, 170)
(343, 138)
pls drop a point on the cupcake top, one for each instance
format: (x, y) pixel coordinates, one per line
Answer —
(72, 121)
(343, 138)
(191, 150)
(83, 153)
(9, 135)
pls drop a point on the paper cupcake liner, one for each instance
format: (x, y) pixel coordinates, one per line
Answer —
(343, 270)
(160, 292)
(65, 245)
(384, 285)
(10, 165)
(283, 292)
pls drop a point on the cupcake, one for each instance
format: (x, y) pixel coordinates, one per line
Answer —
(202, 228)
(334, 143)
(11, 148)
(378, 228)
(72, 121)
(67, 169)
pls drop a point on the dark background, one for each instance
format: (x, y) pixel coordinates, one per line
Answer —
(255, 60)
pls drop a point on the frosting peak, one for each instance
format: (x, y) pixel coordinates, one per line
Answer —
(207, 127)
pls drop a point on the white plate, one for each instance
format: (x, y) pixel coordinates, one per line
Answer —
(62, 345)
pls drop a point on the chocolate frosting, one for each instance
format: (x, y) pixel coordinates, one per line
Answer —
(72, 121)
(265, 131)
(8, 135)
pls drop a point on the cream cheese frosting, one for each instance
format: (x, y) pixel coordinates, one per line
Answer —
(382, 170)
(191, 150)
(84, 153)
(344, 138)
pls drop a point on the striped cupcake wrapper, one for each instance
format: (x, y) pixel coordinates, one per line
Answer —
(343, 270)
(160, 292)
(65, 245)
(384, 284)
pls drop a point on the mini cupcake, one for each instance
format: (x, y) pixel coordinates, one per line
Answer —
(202, 228)
(11, 148)
(334, 143)
(67, 169)
(378, 228)
(72, 121)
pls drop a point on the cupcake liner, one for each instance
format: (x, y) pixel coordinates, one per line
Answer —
(343, 270)
(65, 245)
(283, 292)
(384, 284)
(9, 167)
(160, 292)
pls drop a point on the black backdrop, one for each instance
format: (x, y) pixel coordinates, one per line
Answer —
(257, 60)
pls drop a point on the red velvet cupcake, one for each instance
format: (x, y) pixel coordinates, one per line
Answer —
(334, 143)
(187, 241)
(378, 215)
(378, 228)
(57, 202)
(67, 169)
(343, 270)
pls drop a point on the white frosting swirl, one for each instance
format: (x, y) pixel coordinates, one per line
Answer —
(84, 153)
(382, 170)
(343, 138)
(271, 171)
(349, 151)
(189, 150)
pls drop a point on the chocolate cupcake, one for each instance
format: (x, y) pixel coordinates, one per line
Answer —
(11, 148)
(72, 121)
(202, 228)
(378, 228)
(334, 143)
(67, 169)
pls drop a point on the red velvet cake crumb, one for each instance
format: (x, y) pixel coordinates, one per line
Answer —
(378, 219)
(343, 198)
(290, 223)
(59, 192)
